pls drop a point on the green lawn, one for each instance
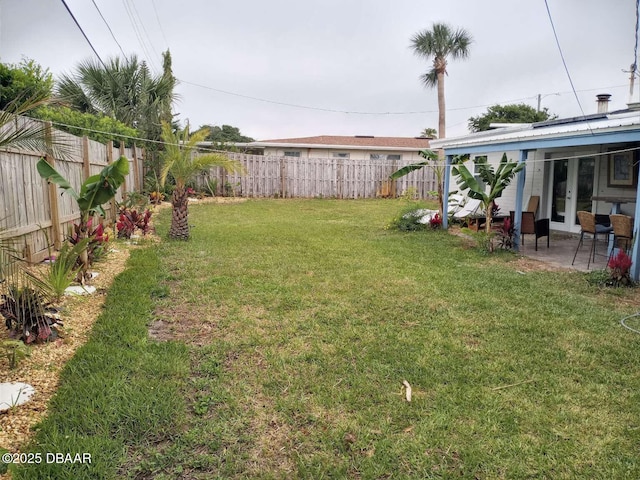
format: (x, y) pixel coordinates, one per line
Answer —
(294, 324)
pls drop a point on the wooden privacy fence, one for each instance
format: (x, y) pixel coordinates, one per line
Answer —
(292, 177)
(33, 214)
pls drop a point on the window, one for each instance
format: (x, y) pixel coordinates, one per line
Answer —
(476, 171)
(384, 156)
(340, 155)
(292, 153)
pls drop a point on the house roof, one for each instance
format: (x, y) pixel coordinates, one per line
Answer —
(348, 142)
(590, 129)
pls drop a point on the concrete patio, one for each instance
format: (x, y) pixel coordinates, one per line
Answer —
(562, 247)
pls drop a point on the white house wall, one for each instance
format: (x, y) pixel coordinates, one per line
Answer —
(354, 154)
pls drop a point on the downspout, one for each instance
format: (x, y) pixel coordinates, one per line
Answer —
(517, 218)
(445, 193)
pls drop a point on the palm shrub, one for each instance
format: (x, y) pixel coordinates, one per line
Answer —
(181, 161)
(63, 270)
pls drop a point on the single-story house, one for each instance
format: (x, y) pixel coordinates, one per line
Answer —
(584, 163)
(358, 147)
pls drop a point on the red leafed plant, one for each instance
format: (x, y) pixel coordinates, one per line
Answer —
(436, 221)
(97, 239)
(620, 269)
(130, 220)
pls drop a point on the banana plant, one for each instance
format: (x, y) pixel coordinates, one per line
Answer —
(95, 191)
(436, 164)
(495, 180)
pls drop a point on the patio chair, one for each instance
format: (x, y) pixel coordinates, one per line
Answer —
(530, 226)
(534, 201)
(622, 232)
(456, 202)
(469, 209)
(588, 225)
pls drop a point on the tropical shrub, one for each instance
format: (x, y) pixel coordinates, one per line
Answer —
(506, 234)
(98, 127)
(62, 270)
(96, 238)
(95, 191)
(410, 219)
(28, 314)
(130, 221)
(620, 270)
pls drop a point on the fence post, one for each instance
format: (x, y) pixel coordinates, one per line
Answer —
(112, 203)
(283, 180)
(136, 172)
(340, 177)
(394, 183)
(86, 165)
(56, 227)
(124, 183)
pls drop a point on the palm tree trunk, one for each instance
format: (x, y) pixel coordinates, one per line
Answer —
(179, 219)
(441, 105)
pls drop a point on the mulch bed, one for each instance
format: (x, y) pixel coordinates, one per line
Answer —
(42, 368)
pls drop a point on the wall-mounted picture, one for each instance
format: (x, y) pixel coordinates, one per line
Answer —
(622, 171)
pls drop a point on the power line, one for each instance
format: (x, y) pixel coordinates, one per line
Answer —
(138, 34)
(153, 4)
(109, 28)
(566, 69)
(355, 112)
(83, 34)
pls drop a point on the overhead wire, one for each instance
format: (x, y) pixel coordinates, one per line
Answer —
(138, 34)
(83, 33)
(131, 14)
(160, 142)
(108, 27)
(153, 4)
(566, 68)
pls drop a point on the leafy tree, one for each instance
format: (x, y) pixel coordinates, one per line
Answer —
(514, 113)
(26, 80)
(89, 124)
(429, 133)
(495, 180)
(180, 160)
(223, 134)
(438, 44)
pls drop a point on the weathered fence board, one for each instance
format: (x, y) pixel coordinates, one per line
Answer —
(289, 177)
(35, 215)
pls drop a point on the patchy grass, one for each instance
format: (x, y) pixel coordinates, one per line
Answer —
(119, 391)
(303, 317)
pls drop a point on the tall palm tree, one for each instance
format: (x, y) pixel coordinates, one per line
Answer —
(438, 44)
(179, 159)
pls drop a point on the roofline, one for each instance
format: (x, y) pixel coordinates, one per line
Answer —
(337, 147)
(504, 138)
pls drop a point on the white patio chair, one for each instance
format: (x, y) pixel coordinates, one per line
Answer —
(469, 209)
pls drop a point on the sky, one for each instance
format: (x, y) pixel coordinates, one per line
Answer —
(285, 68)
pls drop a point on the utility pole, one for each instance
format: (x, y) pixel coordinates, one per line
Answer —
(632, 79)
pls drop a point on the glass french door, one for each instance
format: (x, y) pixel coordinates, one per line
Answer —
(571, 191)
